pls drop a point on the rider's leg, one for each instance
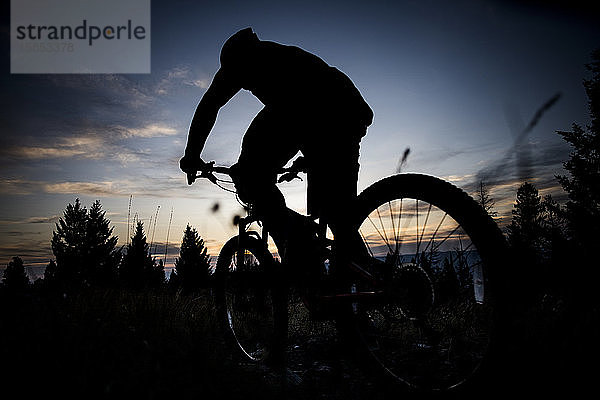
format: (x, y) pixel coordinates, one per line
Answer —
(267, 146)
(264, 151)
(335, 178)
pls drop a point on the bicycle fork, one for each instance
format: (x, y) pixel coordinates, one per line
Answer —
(277, 356)
(243, 224)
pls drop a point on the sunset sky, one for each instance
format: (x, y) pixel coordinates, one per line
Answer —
(454, 81)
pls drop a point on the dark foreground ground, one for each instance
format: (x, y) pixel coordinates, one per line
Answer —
(115, 344)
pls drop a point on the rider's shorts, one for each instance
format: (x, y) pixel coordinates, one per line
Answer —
(330, 146)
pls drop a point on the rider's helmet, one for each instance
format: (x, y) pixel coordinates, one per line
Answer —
(237, 48)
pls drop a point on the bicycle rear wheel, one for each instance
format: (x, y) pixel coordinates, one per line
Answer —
(434, 251)
(247, 298)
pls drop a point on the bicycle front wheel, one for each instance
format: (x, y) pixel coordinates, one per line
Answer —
(433, 249)
(247, 299)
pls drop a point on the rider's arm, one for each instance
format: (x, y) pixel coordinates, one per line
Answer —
(220, 91)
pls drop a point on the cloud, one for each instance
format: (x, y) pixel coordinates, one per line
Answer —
(31, 250)
(149, 186)
(44, 152)
(457, 179)
(545, 160)
(199, 83)
(42, 220)
(109, 143)
(503, 177)
(18, 187)
(438, 155)
(90, 188)
(520, 153)
(56, 152)
(150, 131)
(115, 89)
(178, 77)
(114, 120)
(29, 220)
(86, 145)
(24, 187)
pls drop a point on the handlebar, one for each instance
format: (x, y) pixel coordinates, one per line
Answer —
(208, 171)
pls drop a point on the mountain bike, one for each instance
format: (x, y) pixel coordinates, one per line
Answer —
(419, 297)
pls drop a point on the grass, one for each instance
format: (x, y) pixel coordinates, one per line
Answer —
(114, 343)
(158, 344)
(148, 345)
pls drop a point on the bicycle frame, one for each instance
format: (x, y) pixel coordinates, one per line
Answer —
(244, 222)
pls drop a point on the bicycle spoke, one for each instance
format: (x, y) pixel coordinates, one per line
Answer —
(461, 254)
(383, 228)
(424, 225)
(380, 234)
(398, 237)
(367, 244)
(435, 232)
(446, 238)
(393, 225)
(417, 231)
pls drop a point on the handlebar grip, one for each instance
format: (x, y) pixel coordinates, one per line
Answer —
(191, 177)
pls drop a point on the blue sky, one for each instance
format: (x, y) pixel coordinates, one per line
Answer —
(454, 81)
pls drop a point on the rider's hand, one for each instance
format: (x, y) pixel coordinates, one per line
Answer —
(191, 164)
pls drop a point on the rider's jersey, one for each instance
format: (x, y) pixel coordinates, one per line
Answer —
(289, 78)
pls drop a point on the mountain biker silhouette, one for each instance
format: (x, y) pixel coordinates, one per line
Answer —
(309, 107)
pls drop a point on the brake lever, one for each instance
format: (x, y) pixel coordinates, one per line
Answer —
(205, 172)
(208, 175)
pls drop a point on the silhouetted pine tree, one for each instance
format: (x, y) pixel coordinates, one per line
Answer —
(101, 248)
(192, 267)
(583, 182)
(15, 278)
(138, 269)
(485, 200)
(578, 268)
(554, 226)
(68, 245)
(173, 283)
(555, 253)
(582, 210)
(84, 248)
(525, 231)
(526, 238)
(50, 275)
(158, 278)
